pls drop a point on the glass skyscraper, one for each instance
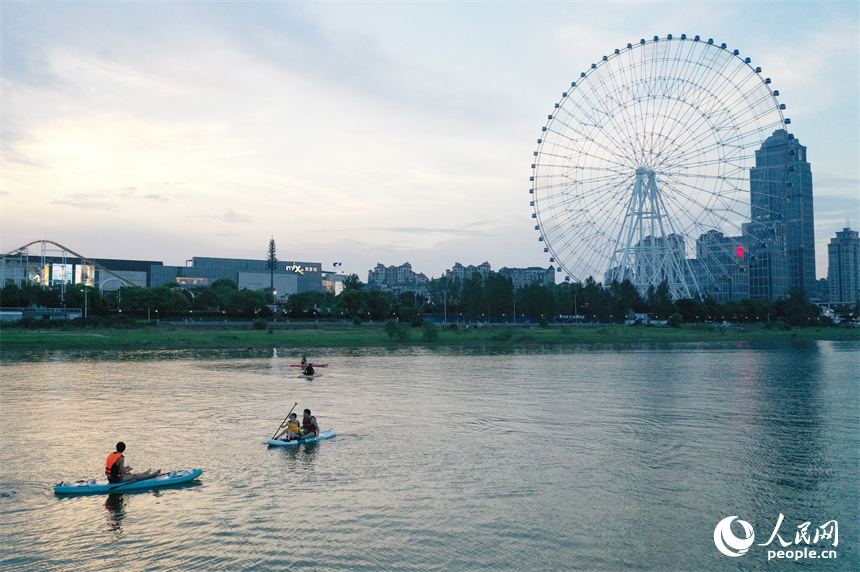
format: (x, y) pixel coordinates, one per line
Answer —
(781, 192)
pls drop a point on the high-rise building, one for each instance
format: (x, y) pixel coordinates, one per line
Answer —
(396, 279)
(766, 260)
(843, 267)
(720, 267)
(531, 275)
(781, 190)
(465, 272)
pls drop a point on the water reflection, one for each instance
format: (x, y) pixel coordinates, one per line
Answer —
(115, 507)
(304, 454)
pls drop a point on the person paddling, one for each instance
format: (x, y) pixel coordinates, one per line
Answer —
(309, 369)
(117, 472)
(292, 430)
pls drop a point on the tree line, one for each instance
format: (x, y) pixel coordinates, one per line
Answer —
(491, 299)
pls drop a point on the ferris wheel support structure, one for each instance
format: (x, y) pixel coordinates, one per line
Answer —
(646, 255)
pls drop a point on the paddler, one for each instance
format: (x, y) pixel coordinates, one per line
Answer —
(292, 430)
(309, 369)
(310, 427)
(117, 472)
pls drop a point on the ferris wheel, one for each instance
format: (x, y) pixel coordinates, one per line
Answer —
(643, 170)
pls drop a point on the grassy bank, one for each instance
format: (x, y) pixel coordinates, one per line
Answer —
(173, 337)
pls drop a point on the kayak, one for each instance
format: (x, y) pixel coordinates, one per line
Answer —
(307, 364)
(324, 435)
(311, 376)
(102, 486)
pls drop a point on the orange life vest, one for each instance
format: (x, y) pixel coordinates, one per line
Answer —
(112, 467)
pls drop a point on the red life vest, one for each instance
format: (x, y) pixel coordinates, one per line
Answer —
(307, 425)
(112, 467)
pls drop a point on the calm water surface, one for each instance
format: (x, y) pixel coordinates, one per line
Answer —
(598, 458)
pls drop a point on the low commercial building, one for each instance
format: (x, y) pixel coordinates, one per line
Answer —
(289, 277)
(63, 267)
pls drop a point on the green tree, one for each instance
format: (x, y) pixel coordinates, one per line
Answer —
(205, 299)
(354, 303)
(597, 302)
(624, 298)
(660, 301)
(248, 303)
(89, 300)
(692, 310)
(796, 310)
(535, 301)
(13, 296)
(352, 282)
(474, 296)
(135, 299)
(169, 302)
(312, 303)
(272, 263)
(500, 295)
(380, 304)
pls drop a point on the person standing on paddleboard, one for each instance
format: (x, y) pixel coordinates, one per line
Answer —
(310, 427)
(117, 472)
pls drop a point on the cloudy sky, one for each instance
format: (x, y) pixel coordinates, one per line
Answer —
(358, 132)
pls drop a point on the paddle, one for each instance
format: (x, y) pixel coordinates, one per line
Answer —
(285, 419)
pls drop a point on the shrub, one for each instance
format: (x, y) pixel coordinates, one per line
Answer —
(504, 336)
(391, 328)
(404, 332)
(259, 324)
(544, 323)
(431, 331)
(357, 321)
(121, 321)
(675, 320)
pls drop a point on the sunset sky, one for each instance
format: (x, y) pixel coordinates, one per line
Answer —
(354, 132)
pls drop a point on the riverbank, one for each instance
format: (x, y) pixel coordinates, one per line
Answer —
(318, 335)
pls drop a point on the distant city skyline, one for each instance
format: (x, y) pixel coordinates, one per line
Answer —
(356, 133)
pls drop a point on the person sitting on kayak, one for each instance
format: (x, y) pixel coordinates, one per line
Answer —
(309, 369)
(310, 427)
(304, 360)
(117, 472)
(292, 430)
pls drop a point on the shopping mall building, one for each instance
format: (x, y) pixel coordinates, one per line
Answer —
(109, 274)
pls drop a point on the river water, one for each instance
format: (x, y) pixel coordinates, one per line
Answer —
(588, 458)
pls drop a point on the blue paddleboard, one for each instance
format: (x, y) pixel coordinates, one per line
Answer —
(94, 486)
(323, 435)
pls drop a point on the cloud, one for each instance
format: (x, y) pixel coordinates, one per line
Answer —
(231, 216)
(837, 182)
(91, 202)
